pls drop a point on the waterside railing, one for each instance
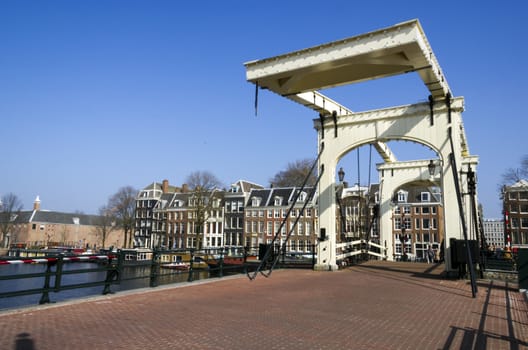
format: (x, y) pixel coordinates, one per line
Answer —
(156, 267)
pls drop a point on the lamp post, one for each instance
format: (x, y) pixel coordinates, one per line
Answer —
(339, 192)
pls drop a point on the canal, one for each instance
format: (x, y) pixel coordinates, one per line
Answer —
(132, 277)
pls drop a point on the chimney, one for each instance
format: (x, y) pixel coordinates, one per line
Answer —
(36, 204)
(165, 186)
(185, 188)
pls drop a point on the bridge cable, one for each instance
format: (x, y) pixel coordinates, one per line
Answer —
(290, 231)
(370, 222)
(269, 251)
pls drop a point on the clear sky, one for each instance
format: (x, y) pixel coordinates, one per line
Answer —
(97, 95)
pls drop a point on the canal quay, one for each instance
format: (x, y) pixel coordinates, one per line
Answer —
(375, 305)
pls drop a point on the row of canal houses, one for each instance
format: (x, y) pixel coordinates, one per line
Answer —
(244, 215)
(247, 214)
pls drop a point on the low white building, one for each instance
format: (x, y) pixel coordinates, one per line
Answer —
(494, 232)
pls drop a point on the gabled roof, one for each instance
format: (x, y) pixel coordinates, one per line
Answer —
(55, 217)
(246, 186)
(414, 195)
(153, 186)
(263, 194)
(19, 218)
(520, 183)
(268, 195)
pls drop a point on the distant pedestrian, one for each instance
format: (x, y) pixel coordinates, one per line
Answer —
(430, 254)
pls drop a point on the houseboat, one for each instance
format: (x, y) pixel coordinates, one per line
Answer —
(168, 259)
(137, 256)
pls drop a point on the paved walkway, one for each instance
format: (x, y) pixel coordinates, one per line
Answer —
(371, 306)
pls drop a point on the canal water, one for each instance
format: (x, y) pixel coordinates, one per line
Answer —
(132, 277)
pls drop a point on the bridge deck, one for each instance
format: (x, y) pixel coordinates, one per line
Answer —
(370, 306)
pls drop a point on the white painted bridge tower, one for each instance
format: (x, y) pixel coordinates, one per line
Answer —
(437, 124)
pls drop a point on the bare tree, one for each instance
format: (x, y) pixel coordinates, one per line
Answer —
(123, 204)
(105, 224)
(295, 174)
(10, 207)
(204, 180)
(513, 175)
(204, 187)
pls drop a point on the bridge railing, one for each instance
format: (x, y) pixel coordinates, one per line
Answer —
(54, 273)
(156, 269)
(360, 249)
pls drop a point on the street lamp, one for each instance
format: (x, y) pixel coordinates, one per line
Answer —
(431, 167)
(341, 174)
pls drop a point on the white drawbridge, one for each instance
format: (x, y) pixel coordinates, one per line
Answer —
(437, 124)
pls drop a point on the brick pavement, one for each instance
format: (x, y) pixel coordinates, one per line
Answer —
(369, 306)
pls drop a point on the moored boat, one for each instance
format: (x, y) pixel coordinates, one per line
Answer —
(180, 266)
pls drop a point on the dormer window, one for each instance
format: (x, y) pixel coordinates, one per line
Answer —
(425, 197)
(402, 196)
(255, 201)
(302, 197)
(278, 201)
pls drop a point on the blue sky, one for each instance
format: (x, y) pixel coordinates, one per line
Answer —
(96, 95)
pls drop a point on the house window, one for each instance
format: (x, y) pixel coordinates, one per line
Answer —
(397, 224)
(425, 210)
(407, 223)
(425, 197)
(278, 201)
(425, 223)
